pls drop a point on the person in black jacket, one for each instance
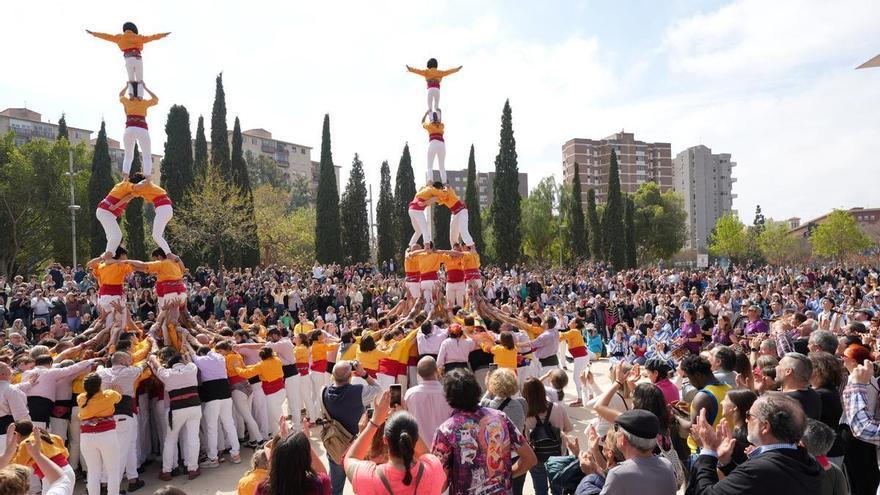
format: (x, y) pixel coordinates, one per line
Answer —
(777, 465)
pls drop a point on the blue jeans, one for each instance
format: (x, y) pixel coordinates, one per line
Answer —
(541, 482)
(337, 477)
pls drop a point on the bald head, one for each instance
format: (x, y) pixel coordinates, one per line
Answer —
(427, 368)
(121, 359)
(342, 372)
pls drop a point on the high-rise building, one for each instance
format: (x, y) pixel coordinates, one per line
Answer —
(638, 162)
(704, 180)
(28, 125)
(293, 159)
(458, 181)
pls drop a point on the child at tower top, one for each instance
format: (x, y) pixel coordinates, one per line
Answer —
(131, 43)
(433, 76)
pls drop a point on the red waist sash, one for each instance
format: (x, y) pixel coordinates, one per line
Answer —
(98, 425)
(273, 386)
(433, 83)
(109, 201)
(110, 290)
(166, 287)
(577, 352)
(131, 52)
(412, 276)
(426, 277)
(454, 276)
(457, 207)
(435, 136)
(162, 200)
(136, 121)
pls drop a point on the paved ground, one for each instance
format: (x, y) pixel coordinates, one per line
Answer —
(224, 480)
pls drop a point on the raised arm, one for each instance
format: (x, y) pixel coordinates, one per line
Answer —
(113, 38)
(420, 72)
(137, 265)
(447, 72)
(159, 36)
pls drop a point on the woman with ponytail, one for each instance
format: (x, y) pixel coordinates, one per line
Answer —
(294, 469)
(98, 440)
(410, 469)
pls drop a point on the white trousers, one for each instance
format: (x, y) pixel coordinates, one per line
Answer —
(163, 216)
(134, 66)
(458, 226)
(419, 224)
(58, 426)
(455, 292)
(428, 293)
(258, 406)
(217, 413)
(177, 297)
(188, 418)
(127, 435)
(275, 409)
(317, 381)
(243, 404)
(101, 452)
(294, 400)
(305, 396)
(140, 136)
(111, 229)
(385, 381)
(74, 434)
(433, 99)
(436, 149)
(105, 302)
(580, 365)
(413, 288)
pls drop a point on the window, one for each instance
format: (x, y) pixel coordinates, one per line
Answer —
(302, 151)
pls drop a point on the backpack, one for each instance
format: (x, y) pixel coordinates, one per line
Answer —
(335, 437)
(564, 473)
(545, 438)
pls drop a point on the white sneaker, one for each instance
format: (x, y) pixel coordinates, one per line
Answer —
(210, 464)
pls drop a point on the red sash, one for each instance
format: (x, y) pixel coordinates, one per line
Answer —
(426, 277)
(577, 352)
(433, 83)
(371, 373)
(416, 205)
(60, 460)
(388, 367)
(270, 388)
(136, 121)
(436, 136)
(457, 207)
(319, 366)
(166, 287)
(235, 379)
(303, 368)
(161, 200)
(472, 274)
(109, 201)
(110, 290)
(98, 425)
(131, 52)
(412, 276)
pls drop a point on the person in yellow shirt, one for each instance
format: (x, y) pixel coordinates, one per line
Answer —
(577, 347)
(136, 131)
(271, 375)
(108, 216)
(455, 284)
(472, 267)
(411, 267)
(436, 146)
(458, 223)
(505, 353)
(169, 276)
(132, 44)
(52, 446)
(98, 441)
(247, 485)
(151, 193)
(433, 76)
(242, 398)
(110, 274)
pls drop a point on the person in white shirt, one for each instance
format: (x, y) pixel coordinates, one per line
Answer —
(13, 404)
(426, 401)
(41, 397)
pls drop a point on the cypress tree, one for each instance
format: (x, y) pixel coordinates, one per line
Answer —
(250, 252)
(385, 231)
(219, 134)
(505, 206)
(134, 218)
(404, 192)
(595, 226)
(100, 183)
(578, 242)
(62, 128)
(177, 164)
(630, 225)
(328, 248)
(441, 216)
(356, 228)
(472, 200)
(200, 160)
(613, 217)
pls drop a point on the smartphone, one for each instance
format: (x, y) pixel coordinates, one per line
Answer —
(493, 367)
(370, 413)
(396, 395)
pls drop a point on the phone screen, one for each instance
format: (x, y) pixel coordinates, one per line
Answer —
(396, 392)
(493, 367)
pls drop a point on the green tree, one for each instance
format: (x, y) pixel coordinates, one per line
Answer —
(250, 253)
(200, 158)
(356, 228)
(100, 184)
(301, 193)
(328, 246)
(440, 219)
(578, 241)
(285, 239)
(729, 239)
(385, 236)
(660, 223)
(472, 200)
(595, 227)
(776, 246)
(62, 128)
(613, 217)
(213, 218)
(630, 227)
(404, 192)
(134, 217)
(759, 222)
(219, 133)
(539, 227)
(839, 236)
(177, 164)
(506, 204)
(263, 170)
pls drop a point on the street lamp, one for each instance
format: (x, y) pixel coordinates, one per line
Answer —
(73, 207)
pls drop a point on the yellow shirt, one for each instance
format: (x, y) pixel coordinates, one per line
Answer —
(533, 331)
(16, 378)
(447, 197)
(101, 405)
(410, 264)
(433, 74)
(352, 350)
(50, 450)
(121, 189)
(137, 107)
(453, 263)
(247, 485)
(434, 127)
(573, 338)
(400, 353)
(429, 262)
(303, 327)
(129, 40)
(428, 193)
(319, 351)
(268, 369)
(112, 274)
(301, 354)
(234, 362)
(165, 270)
(471, 260)
(149, 191)
(503, 357)
(369, 360)
(76, 386)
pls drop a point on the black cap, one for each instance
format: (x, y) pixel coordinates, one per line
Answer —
(640, 423)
